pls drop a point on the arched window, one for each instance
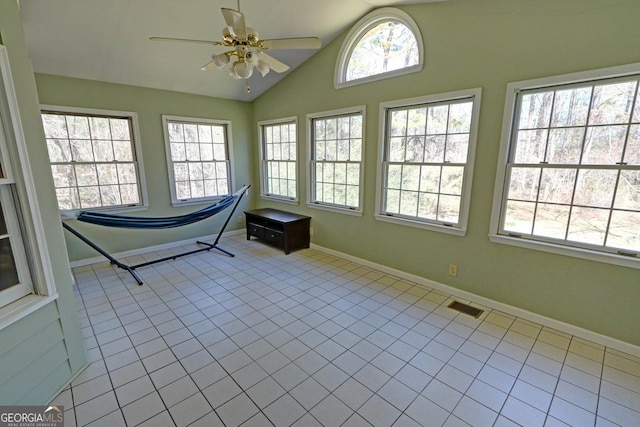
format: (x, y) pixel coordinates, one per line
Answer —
(384, 43)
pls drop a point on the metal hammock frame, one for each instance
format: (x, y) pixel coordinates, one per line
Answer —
(123, 221)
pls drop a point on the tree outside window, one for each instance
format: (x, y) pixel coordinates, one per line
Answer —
(573, 175)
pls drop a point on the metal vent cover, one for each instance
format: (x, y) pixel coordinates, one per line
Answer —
(466, 309)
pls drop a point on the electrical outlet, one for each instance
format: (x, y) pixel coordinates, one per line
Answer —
(310, 231)
(240, 219)
(453, 270)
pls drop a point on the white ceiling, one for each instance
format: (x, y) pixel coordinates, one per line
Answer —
(108, 40)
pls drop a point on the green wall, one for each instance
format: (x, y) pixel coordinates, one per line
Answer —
(468, 44)
(150, 105)
(41, 352)
(487, 44)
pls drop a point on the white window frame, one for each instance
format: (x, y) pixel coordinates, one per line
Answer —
(14, 235)
(19, 180)
(356, 33)
(459, 229)
(137, 147)
(264, 171)
(355, 210)
(501, 186)
(229, 147)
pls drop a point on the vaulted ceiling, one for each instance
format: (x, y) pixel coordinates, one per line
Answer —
(108, 40)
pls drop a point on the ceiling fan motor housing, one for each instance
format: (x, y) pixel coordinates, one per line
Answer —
(251, 56)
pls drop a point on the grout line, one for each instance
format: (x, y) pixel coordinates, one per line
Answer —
(302, 285)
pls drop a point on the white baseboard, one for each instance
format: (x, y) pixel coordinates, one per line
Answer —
(171, 245)
(505, 308)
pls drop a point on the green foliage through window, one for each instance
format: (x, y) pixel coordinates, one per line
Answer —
(426, 152)
(279, 157)
(573, 175)
(92, 160)
(199, 159)
(337, 160)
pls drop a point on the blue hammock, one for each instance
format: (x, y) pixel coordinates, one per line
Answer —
(125, 221)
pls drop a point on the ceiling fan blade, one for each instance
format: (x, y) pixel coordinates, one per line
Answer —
(172, 39)
(235, 20)
(210, 66)
(274, 64)
(293, 43)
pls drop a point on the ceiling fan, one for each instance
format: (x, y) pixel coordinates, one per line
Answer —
(247, 50)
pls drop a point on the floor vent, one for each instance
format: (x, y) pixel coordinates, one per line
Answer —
(466, 309)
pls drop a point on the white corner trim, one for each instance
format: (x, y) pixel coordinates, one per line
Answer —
(43, 271)
(66, 384)
(495, 305)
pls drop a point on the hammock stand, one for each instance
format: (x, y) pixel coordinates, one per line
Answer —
(122, 221)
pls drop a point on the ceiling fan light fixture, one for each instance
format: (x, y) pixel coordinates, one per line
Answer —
(262, 67)
(232, 73)
(242, 69)
(220, 60)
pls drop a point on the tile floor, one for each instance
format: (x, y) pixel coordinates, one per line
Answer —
(310, 339)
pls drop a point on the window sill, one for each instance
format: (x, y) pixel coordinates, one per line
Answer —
(209, 201)
(587, 254)
(336, 209)
(23, 307)
(424, 225)
(279, 199)
(377, 77)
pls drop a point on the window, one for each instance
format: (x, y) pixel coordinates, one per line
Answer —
(15, 278)
(383, 44)
(278, 143)
(571, 178)
(26, 278)
(199, 159)
(427, 152)
(336, 149)
(93, 157)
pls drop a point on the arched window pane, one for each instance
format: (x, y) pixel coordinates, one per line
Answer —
(388, 46)
(383, 44)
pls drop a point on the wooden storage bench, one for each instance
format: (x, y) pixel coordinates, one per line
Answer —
(285, 230)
